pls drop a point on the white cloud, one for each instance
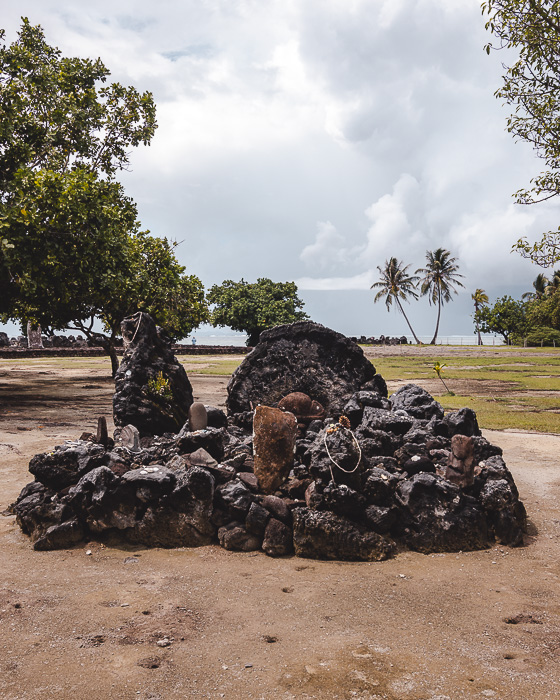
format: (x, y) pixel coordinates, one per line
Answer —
(361, 281)
(327, 248)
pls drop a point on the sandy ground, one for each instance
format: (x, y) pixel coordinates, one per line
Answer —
(72, 625)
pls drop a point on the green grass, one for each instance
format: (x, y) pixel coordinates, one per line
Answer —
(508, 389)
(215, 365)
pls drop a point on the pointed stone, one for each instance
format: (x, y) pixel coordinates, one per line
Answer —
(102, 436)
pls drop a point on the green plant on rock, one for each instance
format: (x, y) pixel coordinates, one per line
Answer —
(159, 386)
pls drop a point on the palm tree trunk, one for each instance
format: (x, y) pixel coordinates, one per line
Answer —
(476, 324)
(433, 341)
(406, 319)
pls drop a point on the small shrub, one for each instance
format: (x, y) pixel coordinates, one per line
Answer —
(159, 386)
(542, 335)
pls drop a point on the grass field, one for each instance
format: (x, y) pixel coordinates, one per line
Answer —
(507, 387)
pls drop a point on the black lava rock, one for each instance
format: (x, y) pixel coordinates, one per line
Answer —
(304, 357)
(152, 390)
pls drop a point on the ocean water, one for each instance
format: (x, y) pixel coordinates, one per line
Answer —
(229, 339)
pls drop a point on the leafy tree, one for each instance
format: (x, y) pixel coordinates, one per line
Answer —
(64, 239)
(541, 336)
(70, 246)
(480, 298)
(154, 282)
(254, 307)
(440, 274)
(54, 115)
(554, 283)
(396, 284)
(545, 312)
(64, 221)
(531, 86)
(66, 267)
(506, 317)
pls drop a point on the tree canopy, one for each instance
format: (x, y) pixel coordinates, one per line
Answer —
(152, 281)
(254, 307)
(531, 86)
(70, 245)
(506, 317)
(57, 113)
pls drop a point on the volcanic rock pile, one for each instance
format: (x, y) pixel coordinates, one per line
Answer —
(374, 476)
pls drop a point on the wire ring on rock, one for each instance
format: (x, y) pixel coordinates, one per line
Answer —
(339, 426)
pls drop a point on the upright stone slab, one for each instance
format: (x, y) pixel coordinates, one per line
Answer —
(460, 469)
(34, 340)
(300, 357)
(274, 442)
(152, 390)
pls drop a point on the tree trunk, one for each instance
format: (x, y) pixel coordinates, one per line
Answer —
(112, 352)
(108, 344)
(406, 319)
(253, 338)
(433, 341)
(477, 327)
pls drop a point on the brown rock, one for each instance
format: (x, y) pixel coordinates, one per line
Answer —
(302, 406)
(274, 441)
(460, 469)
(250, 480)
(236, 538)
(278, 508)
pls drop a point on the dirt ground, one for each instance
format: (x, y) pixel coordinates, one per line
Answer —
(86, 626)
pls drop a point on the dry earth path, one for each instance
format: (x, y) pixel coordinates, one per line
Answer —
(81, 626)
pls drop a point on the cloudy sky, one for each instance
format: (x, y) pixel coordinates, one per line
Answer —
(310, 140)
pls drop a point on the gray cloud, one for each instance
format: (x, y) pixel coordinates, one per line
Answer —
(307, 140)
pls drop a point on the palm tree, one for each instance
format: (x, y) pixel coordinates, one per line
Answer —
(553, 285)
(397, 284)
(540, 285)
(440, 274)
(480, 298)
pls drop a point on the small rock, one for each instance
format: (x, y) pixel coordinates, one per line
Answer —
(198, 418)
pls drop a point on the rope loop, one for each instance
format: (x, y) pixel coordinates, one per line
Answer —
(333, 428)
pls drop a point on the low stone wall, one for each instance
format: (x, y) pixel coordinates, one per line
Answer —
(98, 352)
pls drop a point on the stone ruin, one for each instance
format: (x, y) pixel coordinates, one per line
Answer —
(312, 458)
(382, 340)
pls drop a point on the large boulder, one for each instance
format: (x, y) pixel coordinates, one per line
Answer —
(152, 390)
(438, 517)
(325, 535)
(300, 357)
(416, 402)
